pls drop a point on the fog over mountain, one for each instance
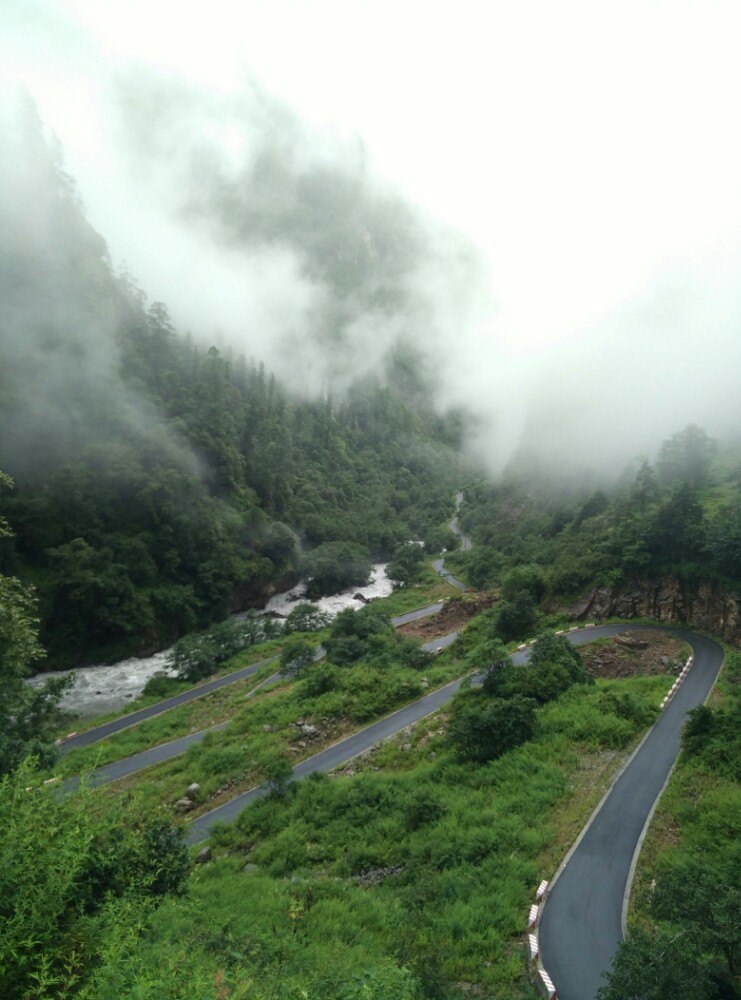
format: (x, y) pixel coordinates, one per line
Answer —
(568, 272)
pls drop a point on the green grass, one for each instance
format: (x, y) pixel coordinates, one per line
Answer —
(260, 651)
(201, 713)
(233, 759)
(471, 843)
(430, 590)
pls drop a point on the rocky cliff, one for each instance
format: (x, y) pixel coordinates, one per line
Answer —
(704, 606)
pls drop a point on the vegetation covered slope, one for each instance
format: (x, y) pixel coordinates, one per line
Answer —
(407, 877)
(679, 517)
(160, 484)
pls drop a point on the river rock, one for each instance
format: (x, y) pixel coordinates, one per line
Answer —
(360, 597)
(191, 792)
(184, 805)
(309, 730)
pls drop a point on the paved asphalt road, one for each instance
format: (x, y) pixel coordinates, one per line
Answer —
(465, 540)
(339, 753)
(348, 748)
(155, 755)
(91, 736)
(581, 923)
(125, 721)
(580, 928)
(439, 566)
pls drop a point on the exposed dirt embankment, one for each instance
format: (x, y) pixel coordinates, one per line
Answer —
(635, 654)
(703, 606)
(456, 613)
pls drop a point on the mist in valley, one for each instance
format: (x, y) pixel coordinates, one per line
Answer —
(273, 227)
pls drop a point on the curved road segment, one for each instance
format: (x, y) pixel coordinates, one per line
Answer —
(638, 800)
(581, 924)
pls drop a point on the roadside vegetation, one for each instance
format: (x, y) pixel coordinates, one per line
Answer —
(407, 876)
(370, 670)
(219, 705)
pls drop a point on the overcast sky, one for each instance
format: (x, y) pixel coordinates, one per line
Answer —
(591, 151)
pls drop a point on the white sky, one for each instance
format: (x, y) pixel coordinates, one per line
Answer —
(592, 150)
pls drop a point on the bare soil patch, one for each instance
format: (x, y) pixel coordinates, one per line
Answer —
(455, 615)
(635, 653)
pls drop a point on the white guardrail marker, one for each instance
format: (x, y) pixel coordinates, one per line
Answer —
(550, 988)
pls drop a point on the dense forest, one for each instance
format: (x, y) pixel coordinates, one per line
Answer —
(679, 516)
(160, 483)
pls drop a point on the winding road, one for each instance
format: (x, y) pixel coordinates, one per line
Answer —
(582, 922)
(564, 931)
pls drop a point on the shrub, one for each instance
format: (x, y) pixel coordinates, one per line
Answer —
(305, 617)
(160, 687)
(714, 736)
(296, 656)
(333, 566)
(527, 579)
(318, 680)
(482, 729)
(517, 617)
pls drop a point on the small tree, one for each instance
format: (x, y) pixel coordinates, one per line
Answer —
(517, 616)
(693, 955)
(406, 565)
(27, 716)
(306, 617)
(524, 578)
(482, 729)
(296, 656)
(278, 772)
